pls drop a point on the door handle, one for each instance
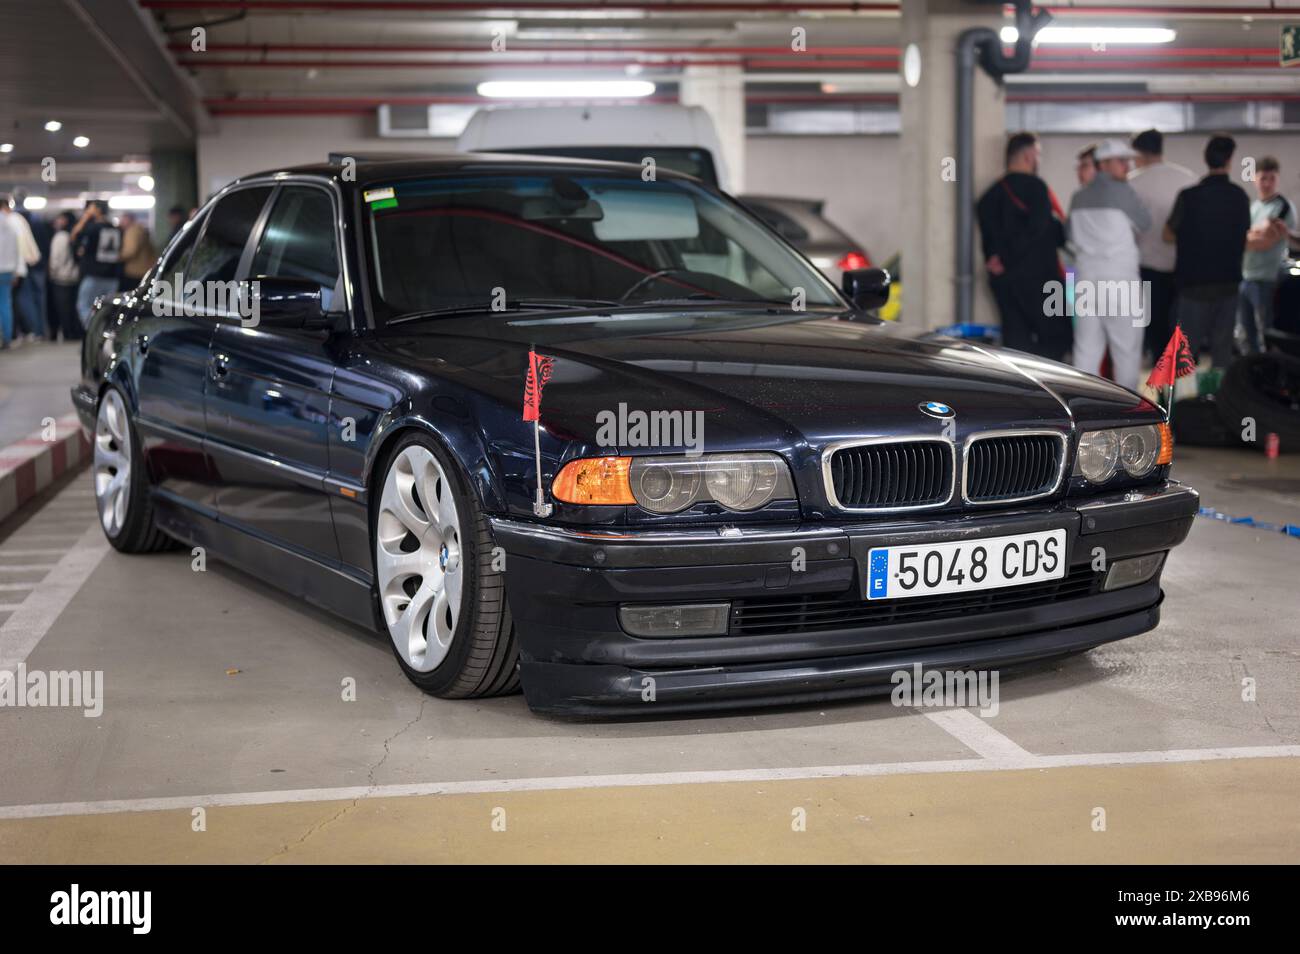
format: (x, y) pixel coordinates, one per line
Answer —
(219, 367)
(142, 343)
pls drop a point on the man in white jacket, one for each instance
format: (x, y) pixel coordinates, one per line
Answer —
(17, 251)
(1105, 217)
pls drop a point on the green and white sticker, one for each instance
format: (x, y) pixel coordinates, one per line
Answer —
(379, 195)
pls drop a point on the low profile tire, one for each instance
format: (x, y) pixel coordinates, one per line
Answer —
(121, 482)
(443, 604)
(1265, 387)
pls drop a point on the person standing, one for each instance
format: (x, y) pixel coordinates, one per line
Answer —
(1208, 226)
(1272, 218)
(1105, 218)
(1157, 184)
(138, 253)
(32, 300)
(1020, 231)
(64, 279)
(98, 247)
(10, 258)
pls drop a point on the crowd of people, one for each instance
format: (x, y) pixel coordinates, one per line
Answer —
(1200, 254)
(51, 271)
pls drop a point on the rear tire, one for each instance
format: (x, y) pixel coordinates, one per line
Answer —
(1265, 387)
(442, 602)
(120, 480)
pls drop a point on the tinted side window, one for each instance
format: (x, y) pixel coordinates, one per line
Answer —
(175, 262)
(299, 241)
(216, 257)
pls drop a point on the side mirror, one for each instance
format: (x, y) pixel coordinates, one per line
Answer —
(866, 287)
(282, 302)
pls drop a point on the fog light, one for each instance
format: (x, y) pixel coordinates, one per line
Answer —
(696, 619)
(1133, 571)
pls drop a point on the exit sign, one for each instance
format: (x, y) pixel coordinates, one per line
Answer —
(1289, 46)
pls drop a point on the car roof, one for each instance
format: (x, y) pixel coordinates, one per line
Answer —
(385, 168)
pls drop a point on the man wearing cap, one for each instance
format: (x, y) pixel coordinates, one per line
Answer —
(1157, 184)
(1105, 218)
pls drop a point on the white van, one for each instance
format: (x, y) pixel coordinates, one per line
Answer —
(680, 138)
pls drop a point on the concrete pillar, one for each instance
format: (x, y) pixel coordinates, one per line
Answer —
(175, 177)
(720, 91)
(927, 158)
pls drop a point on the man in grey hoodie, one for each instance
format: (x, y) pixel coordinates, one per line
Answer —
(1105, 217)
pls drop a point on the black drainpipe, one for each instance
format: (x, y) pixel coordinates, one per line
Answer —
(985, 46)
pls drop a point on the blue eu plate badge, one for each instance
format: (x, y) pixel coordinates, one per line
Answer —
(877, 573)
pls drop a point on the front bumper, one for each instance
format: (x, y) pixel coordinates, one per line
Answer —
(565, 588)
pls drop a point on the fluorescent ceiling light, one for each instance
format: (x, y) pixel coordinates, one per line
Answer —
(145, 182)
(6, 147)
(1094, 36)
(131, 202)
(81, 142)
(34, 203)
(565, 89)
(53, 126)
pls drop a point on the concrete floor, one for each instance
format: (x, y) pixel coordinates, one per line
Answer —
(222, 694)
(34, 382)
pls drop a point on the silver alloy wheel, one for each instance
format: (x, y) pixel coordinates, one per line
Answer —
(112, 462)
(417, 556)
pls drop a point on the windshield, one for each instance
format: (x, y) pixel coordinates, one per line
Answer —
(493, 240)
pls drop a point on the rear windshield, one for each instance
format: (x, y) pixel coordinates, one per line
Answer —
(554, 236)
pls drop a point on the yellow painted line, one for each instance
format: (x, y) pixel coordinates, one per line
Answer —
(1215, 811)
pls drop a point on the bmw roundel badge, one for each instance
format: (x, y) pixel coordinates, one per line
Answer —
(935, 409)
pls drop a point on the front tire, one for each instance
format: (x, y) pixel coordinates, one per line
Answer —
(442, 601)
(120, 480)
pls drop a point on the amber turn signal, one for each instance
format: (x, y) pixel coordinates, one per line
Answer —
(594, 480)
(1166, 445)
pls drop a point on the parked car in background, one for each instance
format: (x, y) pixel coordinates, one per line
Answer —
(801, 222)
(680, 138)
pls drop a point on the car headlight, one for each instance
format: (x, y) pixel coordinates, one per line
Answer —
(1138, 450)
(738, 482)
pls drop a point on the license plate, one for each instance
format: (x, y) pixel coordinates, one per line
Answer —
(935, 568)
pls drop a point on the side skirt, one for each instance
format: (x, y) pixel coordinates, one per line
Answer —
(301, 576)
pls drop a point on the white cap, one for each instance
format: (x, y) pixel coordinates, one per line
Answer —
(1113, 149)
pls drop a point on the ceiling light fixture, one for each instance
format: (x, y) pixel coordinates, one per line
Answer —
(566, 89)
(81, 142)
(145, 182)
(131, 202)
(53, 126)
(1094, 36)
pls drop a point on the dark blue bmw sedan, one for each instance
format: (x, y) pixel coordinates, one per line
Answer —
(549, 423)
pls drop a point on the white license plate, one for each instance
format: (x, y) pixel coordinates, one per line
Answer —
(935, 568)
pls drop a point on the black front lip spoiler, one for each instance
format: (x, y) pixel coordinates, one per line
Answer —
(570, 690)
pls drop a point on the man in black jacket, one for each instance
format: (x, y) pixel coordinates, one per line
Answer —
(1208, 225)
(1021, 229)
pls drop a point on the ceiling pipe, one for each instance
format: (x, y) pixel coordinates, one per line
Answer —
(720, 6)
(982, 45)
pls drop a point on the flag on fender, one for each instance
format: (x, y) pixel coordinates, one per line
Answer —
(539, 372)
(1176, 362)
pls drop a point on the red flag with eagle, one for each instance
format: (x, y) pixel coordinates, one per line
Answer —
(1176, 362)
(539, 372)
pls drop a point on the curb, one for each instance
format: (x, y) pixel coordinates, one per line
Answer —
(30, 465)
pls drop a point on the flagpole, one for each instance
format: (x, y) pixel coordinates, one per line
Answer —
(540, 507)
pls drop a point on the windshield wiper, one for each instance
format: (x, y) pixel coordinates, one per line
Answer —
(511, 305)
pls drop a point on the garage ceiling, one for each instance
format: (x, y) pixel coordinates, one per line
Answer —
(269, 56)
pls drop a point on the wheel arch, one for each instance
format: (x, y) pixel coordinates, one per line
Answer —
(463, 444)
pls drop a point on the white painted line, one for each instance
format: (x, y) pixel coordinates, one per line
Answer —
(23, 567)
(977, 735)
(9, 607)
(558, 783)
(33, 619)
(39, 551)
(17, 586)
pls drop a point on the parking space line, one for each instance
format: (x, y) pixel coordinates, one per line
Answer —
(978, 736)
(38, 551)
(29, 623)
(554, 783)
(24, 567)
